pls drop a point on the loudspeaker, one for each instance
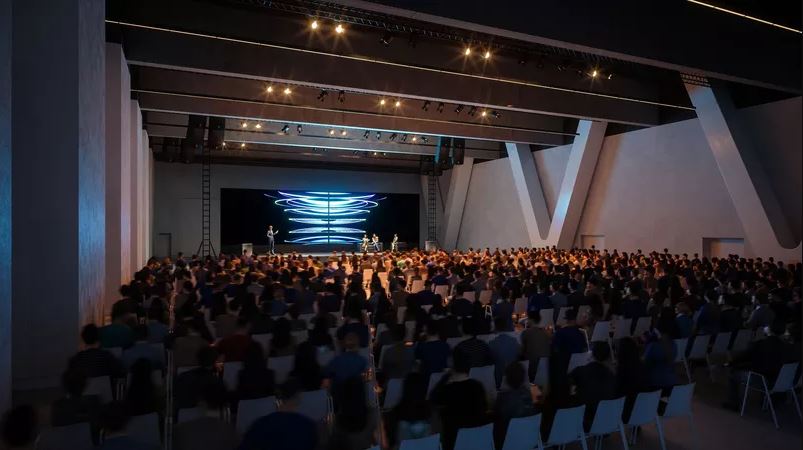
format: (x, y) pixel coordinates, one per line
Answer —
(442, 151)
(193, 143)
(217, 132)
(458, 151)
(170, 149)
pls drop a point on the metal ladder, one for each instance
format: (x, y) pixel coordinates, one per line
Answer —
(205, 248)
(432, 185)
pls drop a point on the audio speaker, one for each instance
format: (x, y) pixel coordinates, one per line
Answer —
(193, 143)
(170, 149)
(458, 151)
(217, 132)
(442, 151)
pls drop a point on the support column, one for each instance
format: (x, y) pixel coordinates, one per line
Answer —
(148, 239)
(562, 229)
(766, 230)
(136, 173)
(455, 202)
(5, 204)
(58, 194)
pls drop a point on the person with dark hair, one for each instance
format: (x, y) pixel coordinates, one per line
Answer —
(633, 306)
(114, 421)
(462, 401)
(74, 407)
(433, 353)
(569, 339)
(412, 416)
(282, 343)
(142, 395)
(354, 425)
(190, 385)
(319, 335)
(296, 323)
(142, 349)
(535, 342)
(94, 361)
(684, 320)
(398, 357)
(354, 324)
(306, 372)
(503, 313)
(349, 364)
(631, 375)
(659, 359)
(186, 348)
(233, 347)
(708, 315)
(117, 334)
(255, 380)
(762, 316)
(595, 381)
(157, 329)
(284, 429)
(210, 431)
(504, 350)
(20, 428)
(476, 350)
(460, 306)
(515, 400)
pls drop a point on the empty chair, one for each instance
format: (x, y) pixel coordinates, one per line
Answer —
(784, 383)
(442, 290)
(485, 375)
(520, 306)
(249, 411)
(608, 420)
(393, 393)
(74, 437)
(100, 386)
(145, 428)
(433, 381)
(428, 443)
(542, 372)
(315, 405)
(417, 286)
(645, 411)
(621, 328)
(642, 326)
(485, 296)
(567, 428)
(281, 366)
(561, 319)
(699, 349)
(231, 374)
(679, 405)
(578, 360)
(547, 318)
(523, 433)
(476, 438)
(742, 342)
(680, 355)
(601, 333)
(470, 296)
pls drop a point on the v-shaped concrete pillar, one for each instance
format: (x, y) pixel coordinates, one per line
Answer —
(766, 230)
(455, 202)
(561, 230)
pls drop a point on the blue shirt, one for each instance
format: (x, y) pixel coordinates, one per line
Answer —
(538, 302)
(361, 330)
(281, 430)
(568, 340)
(346, 365)
(505, 350)
(434, 356)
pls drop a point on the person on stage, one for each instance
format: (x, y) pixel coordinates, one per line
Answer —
(394, 244)
(271, 241)
(364, 245)
(375, 242)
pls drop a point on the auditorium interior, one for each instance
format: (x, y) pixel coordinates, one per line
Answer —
(397, 224)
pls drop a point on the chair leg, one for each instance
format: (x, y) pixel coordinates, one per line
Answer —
(583, 442)
(797, 405)
(688, 370)
(660, 429)
(746, 391)
(769, 400)
(622, 435)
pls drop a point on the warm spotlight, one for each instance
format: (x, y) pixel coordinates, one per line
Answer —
(314, 25)
(269, 89)
(397, 104)
(594, 73)
(223, 144)
(467, 51)
(339, 29)
(487, 54)
(382, 102)
(242, 145)
(343, 132)
(331, 131)
(414, 139)
(258, 126)
(484, 113)
(287, 90)
(244, 125)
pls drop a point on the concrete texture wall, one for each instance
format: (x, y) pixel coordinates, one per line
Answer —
(5, 204)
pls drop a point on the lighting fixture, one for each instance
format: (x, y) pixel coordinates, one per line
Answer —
(745, 16)
(397, 104)
(343, 132)
(594, 73)
(258, 126)
(339, 29)
(314, 25)
(458, 109)
(384, 153)
(331, 131)
(386, 38)
(440, 107)
(610, 76)
(323, 94)
(487, 54)
(472, 111)
(425, 139)
(414, 139)
(299, 128)
(484, 113)
(404, 138)
(392, 137)
(269, 89)
(244, 125)
(341, 96)
(242, 145)
(365, 135)
(223, 144)
(425, 106)
(376, 153)
(467, 51)
(378, 135)
(285, 128)
(496, 114)
(287, 90)
(382, 101)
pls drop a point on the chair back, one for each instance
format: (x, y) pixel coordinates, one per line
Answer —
(523, 433)
(621, 328)
(645, 409)
(721, 342)
(699, 348)
(74, 437)
(400, 312)
(476, 438)
(487, 376)
(470, 296)
(433, 381)
(231, 374)
(680, 349)
(608, 417)
(100, 386)
(324, 355)
(393, 393)
(442, 290)
(485, 296)
(578, 360)
(742, 341)
(561, 320)
(602, 330)
(567, 426)
(547, 317)
(145, 429)
(249, 411)
(263, 340)
(315, 405)
(281, 367)
(428, 443)
(642, 325)
(299, 336)
(679, 402)
(520, 306)
(786, 378)
(453, 341)
(542, 372)
(417, 286)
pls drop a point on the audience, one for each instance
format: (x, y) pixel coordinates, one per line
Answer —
(516, 399)
(504, 349)
(190, 385)
(94, 361)
(114, 421)
(210, 431)
(461, 401)
(255, 379)
(284, 429)
(433, 353)
(595, 381)
(306, 371)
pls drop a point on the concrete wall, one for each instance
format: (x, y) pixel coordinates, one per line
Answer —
(5, 204)
(177, 194)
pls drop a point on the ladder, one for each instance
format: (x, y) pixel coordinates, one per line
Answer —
(205, 248)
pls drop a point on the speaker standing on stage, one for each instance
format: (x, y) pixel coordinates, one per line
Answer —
(375, 242)
(394, 244)
(271, 240)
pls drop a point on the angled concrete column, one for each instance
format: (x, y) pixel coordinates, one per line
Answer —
(5, 204)
(58, 199)
(137, 174)
(573, 191)
(455, 202)
(766, 229)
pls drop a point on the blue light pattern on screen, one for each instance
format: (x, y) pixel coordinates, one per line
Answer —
(327, 214)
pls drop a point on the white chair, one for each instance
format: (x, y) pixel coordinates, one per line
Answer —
(417, 286)
(428, 443)
(307, 317)
(602, 331)
(608, 420)
(476, 438)
(561, 320)
(442, 290)
(299, 336)
(699, 350)
(583, 312)
(100, 386)
(188, 414)
(645, 410)
(281, 367)
(486, 337)
(680, 355)
(74, 437)
(621, 328)
(719, 352)
(324, 355)
(742, 342)
(487, 376)
(567, 428)
(400, 312)
(642, 326)
(542, 372)
(485, 296)
(547, 318)
(578, 360)
(393, 393)
(470, 296)
(433, 381)
(263, 340)
(249, 411)
(231, 374)
(520, 306)
(523, 433)
(316, 405)
(784, 383)
(145, 428)
(679, 405)
(453, 341)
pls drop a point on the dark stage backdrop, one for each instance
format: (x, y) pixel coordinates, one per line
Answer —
(315, 220)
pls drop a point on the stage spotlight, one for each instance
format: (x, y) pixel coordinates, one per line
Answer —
(378, 135)
(299, 129)
(269, 89)
(397, 104)
(425, 139)
(414, 139)
(393, 137)
(382, 102)
(404, 138)
(244, 125)
(343, 132)
(324, 93)
(376, 153)
(458, 109)
(472, 111)
(487, 54)
(331, 131)
(484, 113)
(341, 96)
(287, 90)
(285, 128)
(314, 25)
(440, 107)
(339, 29)
(610, 76)
(365, 135)
(425, 106)
(496, 114)
(594, 73)
(258, 126)
(242, 145)
(223, 144)
(386, 38)
(467, 51)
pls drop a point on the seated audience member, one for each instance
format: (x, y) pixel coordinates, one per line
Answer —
(433, 353)
(282, 343)
(354, 424)
(157, 329)
(659, 359)
(460, 306)
(477, 352)
(142, 349)
(74, 407)
(386, 336)
(708, 315)
(631, 375)
(503, 309)
(319, 335)
(284, 429)
(480, 320)
(762, 316)
(20, 428)
(515, 400)
(190, 385)
(535, 342)
(114, 421)
(233, 346)
(307, 373)
(296, 324)
(412, 416)
(633, 306)
(540, 300)
(398, 357)
(684, 320)
(94, 361)
(210, 431)
(186, 348)
(353, 324)
(143, 396)
(462, 401)
(126, 306)
(504, 349)
(765, 357)
(349, 364)
(569, 339)
(255, 380)
(595, 381)
(116, 334)
(730, 316)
